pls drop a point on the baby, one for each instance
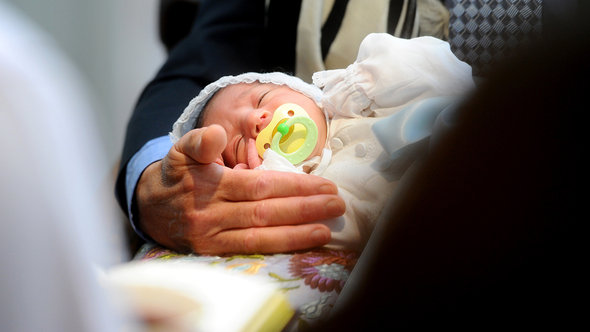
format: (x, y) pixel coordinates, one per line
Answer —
(244, 105)
(372, 118)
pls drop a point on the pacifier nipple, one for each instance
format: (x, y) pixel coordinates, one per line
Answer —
(291, 133)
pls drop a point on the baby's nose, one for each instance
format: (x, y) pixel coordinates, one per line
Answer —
(259, 120)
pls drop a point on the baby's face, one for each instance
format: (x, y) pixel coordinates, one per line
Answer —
(243, 110)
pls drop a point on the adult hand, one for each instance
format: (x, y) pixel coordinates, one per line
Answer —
(189, 202)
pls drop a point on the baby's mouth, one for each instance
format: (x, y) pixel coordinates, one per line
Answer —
(253, 158)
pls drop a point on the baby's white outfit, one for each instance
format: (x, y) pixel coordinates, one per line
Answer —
(382, 110)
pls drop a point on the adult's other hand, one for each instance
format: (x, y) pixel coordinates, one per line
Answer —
(189, 201)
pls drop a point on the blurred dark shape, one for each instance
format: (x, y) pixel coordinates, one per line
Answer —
(487, 233)
(176, 19)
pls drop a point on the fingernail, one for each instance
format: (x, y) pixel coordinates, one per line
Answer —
(328, 188)
(320, 236)
(335, 207)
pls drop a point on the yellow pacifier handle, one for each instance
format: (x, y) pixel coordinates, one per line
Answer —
(290, 133)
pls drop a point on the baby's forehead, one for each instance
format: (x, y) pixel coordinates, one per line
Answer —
(240, 89)
(252, 85)
(243, 90)
(237, 91)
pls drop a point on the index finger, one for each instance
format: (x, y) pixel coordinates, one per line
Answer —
(281, 212)
(268, 239)
(254, 185)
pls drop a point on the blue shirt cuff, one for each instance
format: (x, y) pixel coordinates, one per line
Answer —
(154, 150)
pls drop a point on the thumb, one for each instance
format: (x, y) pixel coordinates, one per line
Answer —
(203, 145)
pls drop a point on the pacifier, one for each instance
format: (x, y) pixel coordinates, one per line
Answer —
(291, 133)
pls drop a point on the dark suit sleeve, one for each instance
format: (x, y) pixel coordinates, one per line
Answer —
(226, 39)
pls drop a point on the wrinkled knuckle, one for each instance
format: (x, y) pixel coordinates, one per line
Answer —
(305, 209)
(198, 231)
(204, 224)
(250, 240)
(263, 186)
(260, 214)
(300, 186)
(192, 218)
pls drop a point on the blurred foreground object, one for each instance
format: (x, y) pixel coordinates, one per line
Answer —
(180, 295)
(53, 213)
(502, 242)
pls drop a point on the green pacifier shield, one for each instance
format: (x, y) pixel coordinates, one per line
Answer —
(308, 145)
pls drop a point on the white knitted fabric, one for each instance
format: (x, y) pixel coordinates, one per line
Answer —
(186, 122)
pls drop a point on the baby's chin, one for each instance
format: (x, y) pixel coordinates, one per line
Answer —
(254, 160)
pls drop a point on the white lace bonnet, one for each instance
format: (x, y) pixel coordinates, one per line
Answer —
(186, 121)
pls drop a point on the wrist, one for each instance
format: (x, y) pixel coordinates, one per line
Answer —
(146, 187)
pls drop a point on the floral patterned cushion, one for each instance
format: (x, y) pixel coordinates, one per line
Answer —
(311, 279)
